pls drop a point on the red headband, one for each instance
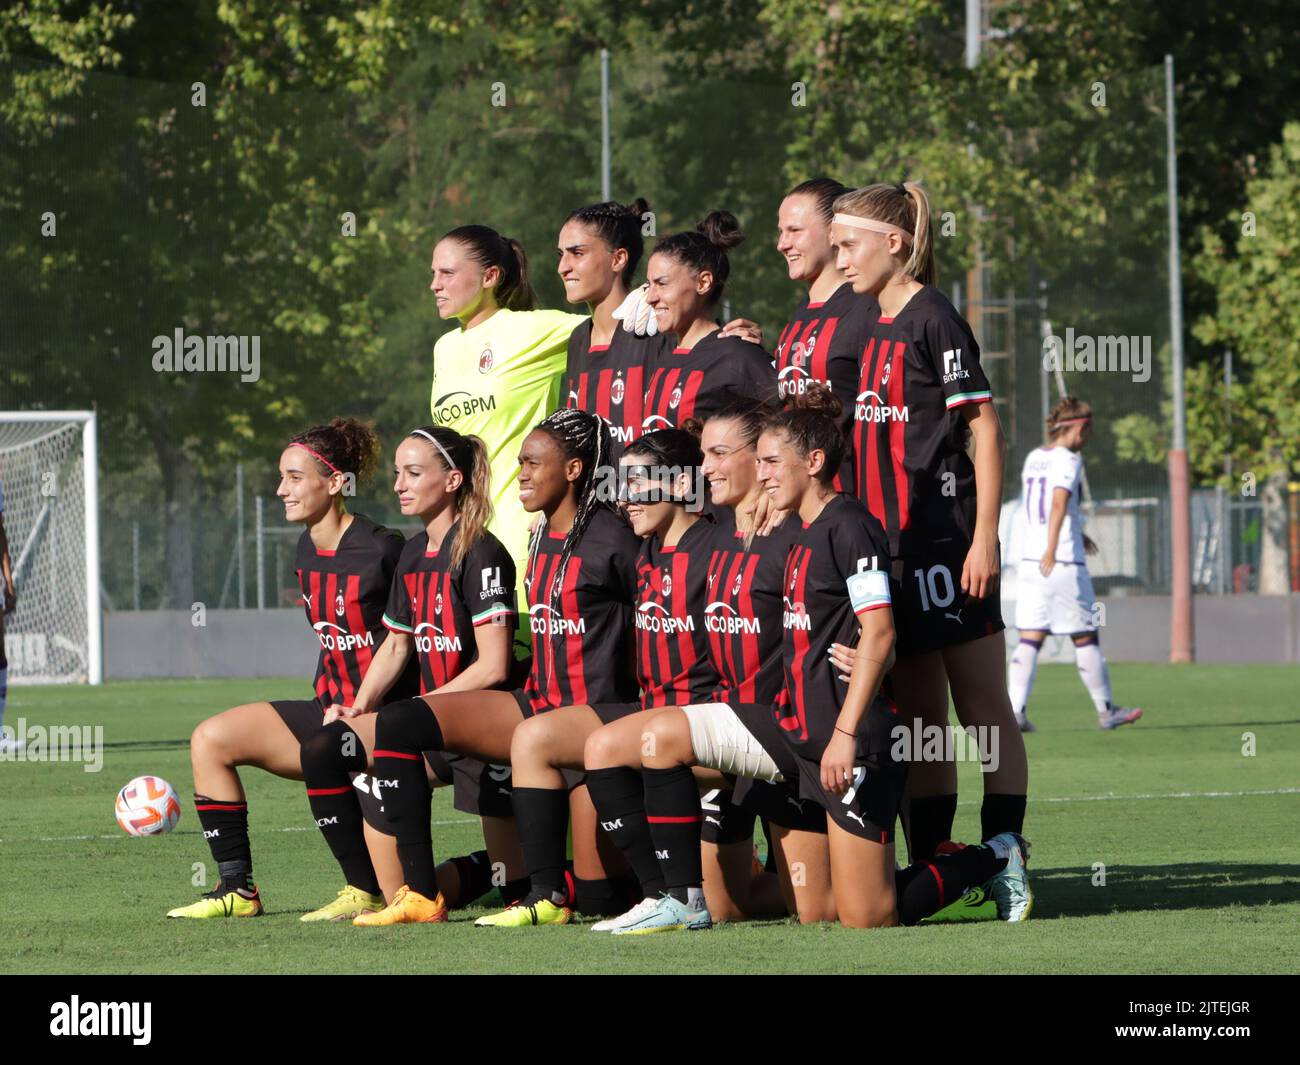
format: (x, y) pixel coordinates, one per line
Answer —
(315, 454)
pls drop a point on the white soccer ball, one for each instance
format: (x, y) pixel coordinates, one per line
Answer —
(147, 806)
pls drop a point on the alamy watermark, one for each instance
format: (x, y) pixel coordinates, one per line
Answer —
(179, 353)
(53, 743)
(1102, 354)
(920, 742)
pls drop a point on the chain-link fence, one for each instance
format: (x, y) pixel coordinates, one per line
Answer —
(305, 223)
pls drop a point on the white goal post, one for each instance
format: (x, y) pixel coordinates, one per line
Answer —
(50, 478)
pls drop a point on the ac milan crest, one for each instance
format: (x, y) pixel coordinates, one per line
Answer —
(485, 360)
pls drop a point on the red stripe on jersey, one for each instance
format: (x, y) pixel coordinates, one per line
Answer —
(797, 575)
(686, 408)
(597, 347)
(821, 354)
(364, 652)
(685, 638)
(898, 433)
(748, 640)
(574, 664)
(338, 688)
(602, 394)
(866, 439)
(734, 671)
(634, 400)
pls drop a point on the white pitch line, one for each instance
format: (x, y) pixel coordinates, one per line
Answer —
(123, 835)
(1167, 795)
(968, 802)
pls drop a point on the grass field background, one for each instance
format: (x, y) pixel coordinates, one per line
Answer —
(1201, 847)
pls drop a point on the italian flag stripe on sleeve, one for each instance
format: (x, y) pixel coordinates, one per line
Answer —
(396, 626)
(869, 590)
(969, 397)
(497, 610)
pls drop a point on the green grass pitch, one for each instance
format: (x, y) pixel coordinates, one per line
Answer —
(1198, 840)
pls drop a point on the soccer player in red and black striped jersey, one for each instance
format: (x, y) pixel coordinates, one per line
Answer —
(345, 565)
(835, 739)
(608, 366)
(581, 586)
(451, 610)
(922, 398)
(687, 273)
(742, 619)
(661, 474)
(824, 338)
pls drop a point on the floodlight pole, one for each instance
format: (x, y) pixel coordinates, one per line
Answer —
(90, 486)
(1181, 631)
(604, 125)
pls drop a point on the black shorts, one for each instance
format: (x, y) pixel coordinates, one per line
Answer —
(479, 788)
(302, 716)
(869, 808)
(930, 611)
(725, 822)
(780, 804)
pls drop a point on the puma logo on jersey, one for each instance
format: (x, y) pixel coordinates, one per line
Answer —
(955, 617)
(856, 817)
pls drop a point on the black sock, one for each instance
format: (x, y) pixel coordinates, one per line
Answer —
(672, 805)
(619, 797)
(225, 827)
(327, 757)
(403, 730)
(1002, 813)
(473, 879)
(542, 815)
(929, 823)
(600, 898)
(514, 890)
(927, 887)
(769, 866)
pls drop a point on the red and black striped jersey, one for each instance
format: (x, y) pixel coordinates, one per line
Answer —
(843, 542)
(672, 652)
(743, 613)
(610, 379)
(344, 592)
(441, 608)
(694, 382)
(583, 653)
(823, 342)
(918, 369)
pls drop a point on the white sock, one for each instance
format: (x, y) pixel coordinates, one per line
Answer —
(1000, 847)
(695, 898)
(1094, 674)
(1020, 674)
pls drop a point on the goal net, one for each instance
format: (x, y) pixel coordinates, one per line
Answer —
(48, 477)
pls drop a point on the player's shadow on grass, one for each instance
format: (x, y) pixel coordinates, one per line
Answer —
(1130, 888)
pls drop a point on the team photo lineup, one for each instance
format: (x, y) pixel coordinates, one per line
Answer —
(672, 589)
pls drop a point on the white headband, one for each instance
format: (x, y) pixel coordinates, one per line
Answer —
(429, 437)
(871, 224)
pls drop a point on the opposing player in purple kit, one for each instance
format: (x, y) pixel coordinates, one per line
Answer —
(451, 609)
(1053, 587)
(923, 398)
(824, 338)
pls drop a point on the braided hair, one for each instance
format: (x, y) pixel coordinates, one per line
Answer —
(586, 437)
(619, 226)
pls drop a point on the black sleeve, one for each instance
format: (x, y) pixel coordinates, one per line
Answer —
(859, 543)
(487, 581)
(397, 614)
(753, 374)
(572, 368)
(949, 348)
(622, 565)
